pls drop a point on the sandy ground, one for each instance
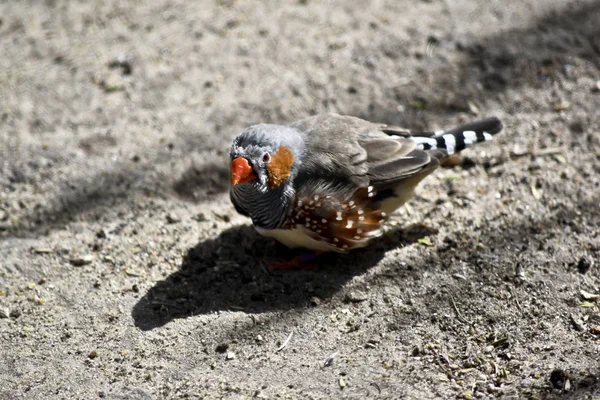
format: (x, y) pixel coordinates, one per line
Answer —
(125, 272)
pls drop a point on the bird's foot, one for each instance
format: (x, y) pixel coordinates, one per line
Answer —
(304, 261)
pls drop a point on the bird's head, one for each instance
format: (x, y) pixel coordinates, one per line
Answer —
(264, 161)
(266, 156)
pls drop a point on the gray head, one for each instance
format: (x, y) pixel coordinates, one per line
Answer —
(264, 162)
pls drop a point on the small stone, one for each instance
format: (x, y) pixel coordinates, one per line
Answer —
(577, 323)
(93, 354)
(584, 264)
(173, 218)
(16, 313)
(230, 356)
(342, 383)
(200, 218)
(596, 87)
(595, 330)
(81, 261)
(101, 234)
(4, 312)
(557, 378)
(315, 301)
(355, 297)
(259, 338)
(468, 395)
(562, 106)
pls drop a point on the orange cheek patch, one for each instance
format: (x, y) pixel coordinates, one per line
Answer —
(280, 167)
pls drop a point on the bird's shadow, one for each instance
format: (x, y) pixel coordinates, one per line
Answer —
(226, 273)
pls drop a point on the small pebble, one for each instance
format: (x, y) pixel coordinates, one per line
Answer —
(577, 323)
(342, 383)
(81, 261)
(230, 356)
(200, 218)
(355, 297)
(173, 218)
(16, 313)
(4, 312)
(93, 354)
(259, 338)
(315, 301)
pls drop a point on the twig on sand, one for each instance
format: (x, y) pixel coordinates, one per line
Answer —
(285, 343)
(458, 314)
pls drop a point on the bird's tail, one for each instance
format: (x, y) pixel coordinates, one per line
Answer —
(457, 139)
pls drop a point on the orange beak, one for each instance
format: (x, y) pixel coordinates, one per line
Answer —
(241, 171)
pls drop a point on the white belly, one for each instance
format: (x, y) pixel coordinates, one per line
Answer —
(297, 237)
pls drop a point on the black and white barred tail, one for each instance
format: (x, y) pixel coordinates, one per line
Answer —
(457, 139)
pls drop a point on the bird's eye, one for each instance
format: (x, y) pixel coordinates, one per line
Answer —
(266, 158)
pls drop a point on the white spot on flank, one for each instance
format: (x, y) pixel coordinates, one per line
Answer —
(316, 197)
(487, 136)
(338, 216)
(383, 214)
(335, 240)
(324, 221)
(349, 225)
(359, 230)
(370, 195)
(450, 141)
(351, 203)
(360, 211)
(357, 237)
(311, 202)
(299, 203)
(344, 206)
(307, 225)
(370, 189)
(361, 218)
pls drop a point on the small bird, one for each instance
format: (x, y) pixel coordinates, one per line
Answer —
(328, 182)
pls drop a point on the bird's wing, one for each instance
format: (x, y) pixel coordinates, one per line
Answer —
(333, 149)
(352, 150)
(393, 159)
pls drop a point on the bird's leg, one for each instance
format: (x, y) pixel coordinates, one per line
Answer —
(303, 261)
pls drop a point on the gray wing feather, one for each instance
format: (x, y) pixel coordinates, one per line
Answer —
(334, 148)
(352, 150)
